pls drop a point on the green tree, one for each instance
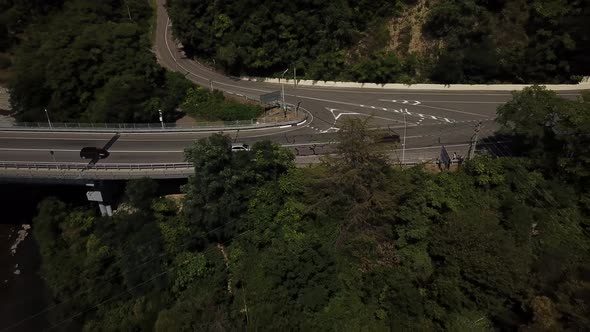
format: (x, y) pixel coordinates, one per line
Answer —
(141, 192)
(550, 129)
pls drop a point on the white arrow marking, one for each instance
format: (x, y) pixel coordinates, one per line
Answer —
(331, 128)
(336, 117)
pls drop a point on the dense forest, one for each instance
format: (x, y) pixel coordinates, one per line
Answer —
(91, 61)
(352, 244)
(87, 61)
(455, 41)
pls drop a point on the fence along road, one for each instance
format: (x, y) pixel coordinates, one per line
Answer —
(427, 114)
(19, 170)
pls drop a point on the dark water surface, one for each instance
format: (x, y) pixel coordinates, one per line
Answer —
(22, 291)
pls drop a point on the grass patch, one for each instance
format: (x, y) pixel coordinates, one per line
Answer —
(213, 106)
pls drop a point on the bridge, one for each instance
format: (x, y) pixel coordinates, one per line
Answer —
(429, 116)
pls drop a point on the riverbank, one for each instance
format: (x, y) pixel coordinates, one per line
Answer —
(23, 293)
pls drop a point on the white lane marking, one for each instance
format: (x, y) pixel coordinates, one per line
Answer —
(405, 111)
(463, 102)
(441, 108)
(365, 106)
(57, 138)
(332, 110)
(124, 134)
(78, 150)
(341, 113)
(331, 129)
(413, 92)
(196, 75)
(345, 90)
(285, 126)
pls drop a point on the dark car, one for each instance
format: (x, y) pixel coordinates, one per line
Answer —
(389, 138)
(90, 152)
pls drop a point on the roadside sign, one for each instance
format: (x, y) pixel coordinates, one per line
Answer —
(445, 159)
(94, 196)
(270, 98)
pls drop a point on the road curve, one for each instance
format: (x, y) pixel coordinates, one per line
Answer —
(432, 118)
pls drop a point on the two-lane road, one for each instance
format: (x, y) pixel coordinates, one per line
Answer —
(169, 147)
(432, 118)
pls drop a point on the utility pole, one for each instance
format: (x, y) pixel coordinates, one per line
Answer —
(48, 121)
(294, 76)
(161, 118)
(473, 143)
(53, 156)
(283, 87)
(404, 143)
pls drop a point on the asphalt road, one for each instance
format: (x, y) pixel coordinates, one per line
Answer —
(432, 118)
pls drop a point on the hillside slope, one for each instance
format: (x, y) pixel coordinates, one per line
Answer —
(454, 41)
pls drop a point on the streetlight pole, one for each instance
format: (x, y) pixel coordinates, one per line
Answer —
(48, 121)
(404, 143)
(53, 156)
(283, 86)
(161, 118)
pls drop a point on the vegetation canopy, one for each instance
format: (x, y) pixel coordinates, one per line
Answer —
(258, 244)
(455, 41)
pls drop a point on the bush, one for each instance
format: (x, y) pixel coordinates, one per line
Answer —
(213, 106)
(5, 61)
(235, 111)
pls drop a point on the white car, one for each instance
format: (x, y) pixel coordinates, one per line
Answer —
(239, 147)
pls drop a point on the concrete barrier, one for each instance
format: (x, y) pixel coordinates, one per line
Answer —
(583, 85)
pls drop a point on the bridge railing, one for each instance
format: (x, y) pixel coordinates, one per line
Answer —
(278, 120)
(85, 166)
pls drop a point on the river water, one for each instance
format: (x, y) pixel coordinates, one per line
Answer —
(22, 291)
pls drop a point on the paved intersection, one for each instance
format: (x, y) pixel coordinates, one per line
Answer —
(431, 118)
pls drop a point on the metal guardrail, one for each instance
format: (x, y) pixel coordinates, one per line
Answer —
(85, 166)
(63, 126)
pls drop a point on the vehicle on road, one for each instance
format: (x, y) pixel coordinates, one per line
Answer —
(236, 147)
(389, 138)
(91, 152)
